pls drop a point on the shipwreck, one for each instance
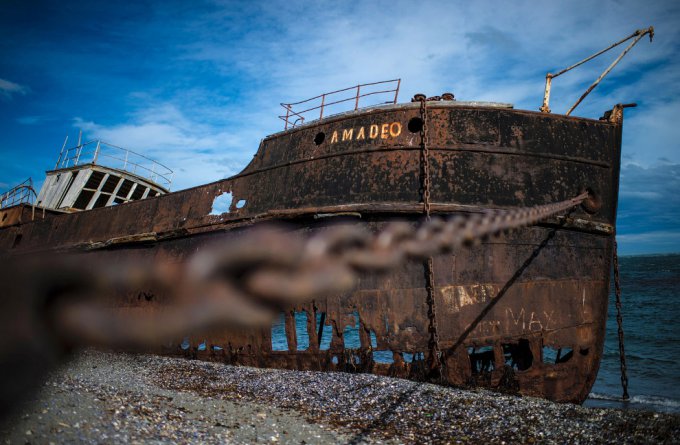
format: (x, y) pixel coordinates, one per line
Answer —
(523, 311)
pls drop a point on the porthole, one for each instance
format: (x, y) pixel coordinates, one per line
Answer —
(415, 125)
(319, 138)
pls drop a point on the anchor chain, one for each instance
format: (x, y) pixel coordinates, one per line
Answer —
(619, 322)
(434, 359)
(246, 281)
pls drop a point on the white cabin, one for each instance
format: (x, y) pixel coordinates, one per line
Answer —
(96, 174)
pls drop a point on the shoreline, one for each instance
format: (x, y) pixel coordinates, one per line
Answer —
(123, 398)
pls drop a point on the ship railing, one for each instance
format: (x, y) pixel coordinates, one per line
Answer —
(109, 155)
(321, 103)
(23, 193)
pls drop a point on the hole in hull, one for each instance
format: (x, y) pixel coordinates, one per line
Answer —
(279, 339)
(301, 331)
(385, 357)
(221, 204)
(481, 359)
(350, 335)
(518, 355)
(553, 356)
(325, 331)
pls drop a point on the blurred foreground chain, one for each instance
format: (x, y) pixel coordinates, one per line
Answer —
(54, 304)
(242, 283)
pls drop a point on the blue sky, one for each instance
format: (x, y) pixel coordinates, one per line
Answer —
(197, 84)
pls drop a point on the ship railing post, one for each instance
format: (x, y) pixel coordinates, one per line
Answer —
(96, 152)
(323, 100)
(61, 153)
(287, 116)
(356, 102)
(545, 108)
(127, 153)
(80, 149)
(396, 92)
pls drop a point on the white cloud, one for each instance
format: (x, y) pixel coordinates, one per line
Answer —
(665, 241)
(197, 152)
(7, 89)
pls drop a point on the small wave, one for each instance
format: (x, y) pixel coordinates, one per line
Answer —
(643, 400)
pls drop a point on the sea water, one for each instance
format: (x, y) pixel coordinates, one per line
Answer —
(650, 287)
(651, 321)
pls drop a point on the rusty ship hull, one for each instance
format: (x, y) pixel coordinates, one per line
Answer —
(365, 167)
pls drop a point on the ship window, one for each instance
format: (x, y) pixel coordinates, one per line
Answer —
(83, 199)
(94, 180)
(101, 201)
(125, 188)
(139, 192)
(319, 138)
(415, 125)
(110, 184)
(118, 201)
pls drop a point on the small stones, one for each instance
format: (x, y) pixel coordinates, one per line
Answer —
(104, 397)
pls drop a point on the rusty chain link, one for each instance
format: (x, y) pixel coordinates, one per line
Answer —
(243, 282)
(434, 359)
(425, 158)
(619, 322)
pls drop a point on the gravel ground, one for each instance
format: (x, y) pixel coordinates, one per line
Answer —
(122, 398)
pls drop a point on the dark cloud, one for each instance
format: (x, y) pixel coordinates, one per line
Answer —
(649, 201)
(493, 39)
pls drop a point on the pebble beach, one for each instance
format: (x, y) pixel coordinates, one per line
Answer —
(123, 398)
